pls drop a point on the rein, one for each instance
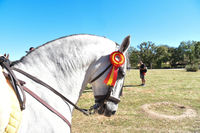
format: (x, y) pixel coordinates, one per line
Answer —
(97, 77)
(5, 63)
(47, 105)
(84, 111)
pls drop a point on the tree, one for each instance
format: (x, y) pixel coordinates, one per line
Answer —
(162, 55)
(188, 50)
(134, 56)
(147, 53)
(174, 56)
(197, 50)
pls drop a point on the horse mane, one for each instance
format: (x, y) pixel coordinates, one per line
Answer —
(64, 57)
(52, 41)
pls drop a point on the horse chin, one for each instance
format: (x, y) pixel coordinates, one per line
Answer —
(108, 109)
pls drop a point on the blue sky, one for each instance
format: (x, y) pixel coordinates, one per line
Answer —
(26, 23)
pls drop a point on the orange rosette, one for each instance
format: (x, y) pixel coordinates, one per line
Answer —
(117, 60)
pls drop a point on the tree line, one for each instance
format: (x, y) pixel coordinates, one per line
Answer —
(164, 56)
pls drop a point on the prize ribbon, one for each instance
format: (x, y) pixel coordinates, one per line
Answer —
(117, 60)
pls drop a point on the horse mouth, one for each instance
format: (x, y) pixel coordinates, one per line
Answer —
(103, 110)
(109, 113)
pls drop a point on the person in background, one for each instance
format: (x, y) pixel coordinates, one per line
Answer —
(143, 70)
(6, 56)
(30, 49)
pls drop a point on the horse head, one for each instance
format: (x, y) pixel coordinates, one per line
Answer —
(107, 95)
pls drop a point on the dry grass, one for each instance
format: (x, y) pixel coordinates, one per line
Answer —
(170, 109)
(176, 86)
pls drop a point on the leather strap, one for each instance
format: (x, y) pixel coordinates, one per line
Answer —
(47, 105)
(98, 76)
(5, 63)
(84, 111)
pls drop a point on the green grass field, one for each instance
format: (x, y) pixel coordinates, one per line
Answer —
(170, 85)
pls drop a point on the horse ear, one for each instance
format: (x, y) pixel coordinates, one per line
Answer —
(125, 44)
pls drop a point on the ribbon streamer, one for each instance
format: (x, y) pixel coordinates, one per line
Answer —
(117, 60)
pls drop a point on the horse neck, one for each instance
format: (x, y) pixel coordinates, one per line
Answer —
(68, 83)
(65, 70)
(64, 64)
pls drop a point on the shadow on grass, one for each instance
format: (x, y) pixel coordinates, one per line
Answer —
(87, 89)
(131, 85)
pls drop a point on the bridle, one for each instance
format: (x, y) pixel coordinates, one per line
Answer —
(16, 83)
(102, 99)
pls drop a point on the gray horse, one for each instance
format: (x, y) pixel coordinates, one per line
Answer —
(68, 64)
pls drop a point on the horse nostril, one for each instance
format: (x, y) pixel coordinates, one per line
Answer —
(113, 112)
